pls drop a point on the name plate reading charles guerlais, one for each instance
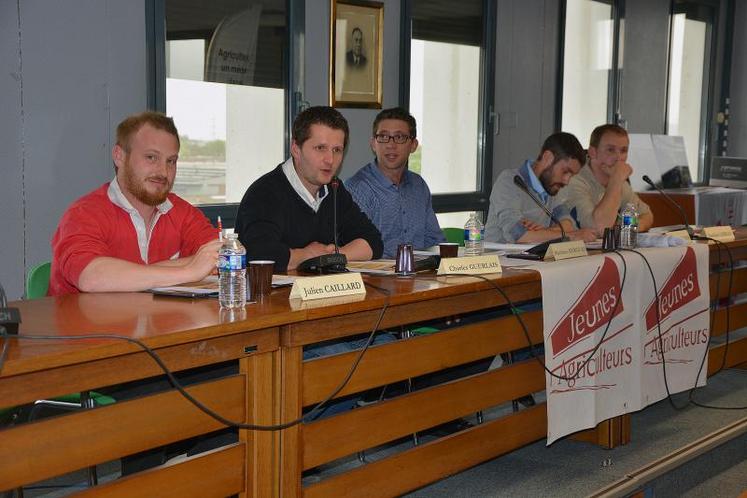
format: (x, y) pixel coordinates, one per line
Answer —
(338, 284)
(566, 250)
(471, 265)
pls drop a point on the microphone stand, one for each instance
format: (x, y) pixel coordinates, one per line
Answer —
(689, 229)
(328, 263)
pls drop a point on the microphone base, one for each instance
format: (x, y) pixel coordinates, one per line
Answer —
(326, 263)
(10, 318)
(541, 249)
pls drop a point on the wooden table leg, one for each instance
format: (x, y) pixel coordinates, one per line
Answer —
(291, 454)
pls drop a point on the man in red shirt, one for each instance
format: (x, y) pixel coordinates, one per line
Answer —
(132, 233)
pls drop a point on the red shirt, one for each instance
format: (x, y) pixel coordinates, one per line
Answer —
(93, 226)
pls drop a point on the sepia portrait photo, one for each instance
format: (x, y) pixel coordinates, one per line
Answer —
(355, 54)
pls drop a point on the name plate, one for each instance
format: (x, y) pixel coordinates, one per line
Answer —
(722, 233)
(470, 265)
(339, 284)
(680, 234)
(566, 250)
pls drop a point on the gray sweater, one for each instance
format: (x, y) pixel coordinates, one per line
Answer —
(509, 205)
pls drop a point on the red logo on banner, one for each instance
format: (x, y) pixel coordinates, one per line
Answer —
(593, 309)
(680, 288)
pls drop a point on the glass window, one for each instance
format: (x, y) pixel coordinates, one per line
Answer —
(225, 89)
(688, 79)
(587, 65)
(445, 83)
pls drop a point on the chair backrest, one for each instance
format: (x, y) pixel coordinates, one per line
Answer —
(454, 235)
(37, 281)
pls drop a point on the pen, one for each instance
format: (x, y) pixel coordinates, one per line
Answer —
(220, 229)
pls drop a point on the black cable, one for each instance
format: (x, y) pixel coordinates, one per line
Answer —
(728, 321)
(525, 330)
(177, 385)
(691, 391)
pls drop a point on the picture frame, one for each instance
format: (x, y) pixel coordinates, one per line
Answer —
(356, 49)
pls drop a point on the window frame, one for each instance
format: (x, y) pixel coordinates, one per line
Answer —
(155, 31)
(478, 200)
(708, 92)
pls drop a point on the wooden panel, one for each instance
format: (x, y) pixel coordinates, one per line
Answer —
(739, 283)
(214, 473)
(291, 450)
(337, 326)
(262, 447)
(333, 437)
(435, 460)
(400, 360)
(736, 355)
(113, 431)
(28, 387)
(608, 434)
(664, 213)
(737, 319)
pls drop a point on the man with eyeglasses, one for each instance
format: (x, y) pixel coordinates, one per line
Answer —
(396, 200)
(287, 215)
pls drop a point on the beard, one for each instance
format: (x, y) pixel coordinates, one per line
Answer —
(546, 179)
(137, 187)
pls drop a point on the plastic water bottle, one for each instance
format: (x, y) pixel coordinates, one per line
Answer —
(232, 273)
(629, 227)
(474, 232)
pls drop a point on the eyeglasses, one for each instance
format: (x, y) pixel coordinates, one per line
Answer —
(383, 138)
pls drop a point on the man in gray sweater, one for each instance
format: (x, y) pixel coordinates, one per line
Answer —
(515, 218)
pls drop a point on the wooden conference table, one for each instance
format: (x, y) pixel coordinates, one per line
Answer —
(274, 384)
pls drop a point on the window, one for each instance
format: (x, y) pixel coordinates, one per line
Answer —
(450, 93)
(225, 74)
(588, 52)
(689, 79)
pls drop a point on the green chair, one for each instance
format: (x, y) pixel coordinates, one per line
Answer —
(454, 235)
(37, 281)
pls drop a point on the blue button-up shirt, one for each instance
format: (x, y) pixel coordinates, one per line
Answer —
(403, 213)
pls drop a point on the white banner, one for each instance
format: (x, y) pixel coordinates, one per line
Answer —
(607, 349)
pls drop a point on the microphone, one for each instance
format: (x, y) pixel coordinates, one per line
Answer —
(540, 248)
(328, 263)
(689, 229)
(335, 184)
(10, 318)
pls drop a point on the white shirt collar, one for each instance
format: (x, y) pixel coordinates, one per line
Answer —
(115, 194)
(293, 178)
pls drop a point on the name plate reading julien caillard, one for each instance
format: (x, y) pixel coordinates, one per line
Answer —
(566, 250)
(338, 284)
(470, 265)
(722, 233)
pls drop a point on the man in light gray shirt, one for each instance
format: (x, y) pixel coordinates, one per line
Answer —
(515, 218)
(601, 188)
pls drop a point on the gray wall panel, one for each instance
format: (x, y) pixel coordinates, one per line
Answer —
(526, 68)
(644, 83)
(11, 164)
(738, 108)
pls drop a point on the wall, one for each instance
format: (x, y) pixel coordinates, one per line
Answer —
(644, 75)
(738, 105)
(527, 40)
(316, 72)
(68, 82)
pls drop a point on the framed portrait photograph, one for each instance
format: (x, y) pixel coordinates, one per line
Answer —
(355, 63)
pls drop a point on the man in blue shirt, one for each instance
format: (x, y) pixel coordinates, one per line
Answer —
(395, 199)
